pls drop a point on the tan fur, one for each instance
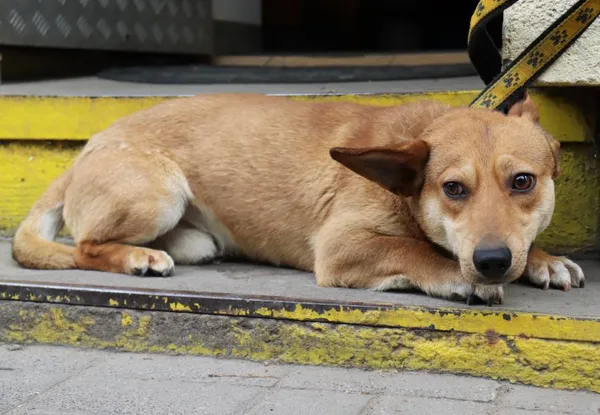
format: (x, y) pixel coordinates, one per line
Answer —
(197, 178)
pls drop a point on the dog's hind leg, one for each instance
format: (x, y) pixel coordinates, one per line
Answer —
(120, 200)
(124, 259)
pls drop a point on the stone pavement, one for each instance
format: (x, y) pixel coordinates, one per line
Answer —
(53, 380)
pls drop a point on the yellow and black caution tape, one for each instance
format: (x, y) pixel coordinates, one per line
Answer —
(504, 87)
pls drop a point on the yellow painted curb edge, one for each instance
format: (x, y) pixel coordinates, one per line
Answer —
(568, 117)
(547, 363)
(472, 320)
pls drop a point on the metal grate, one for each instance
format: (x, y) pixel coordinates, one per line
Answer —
(177, 26)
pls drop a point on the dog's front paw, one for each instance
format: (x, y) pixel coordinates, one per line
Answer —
(472, 294)
(547, 271)
(486, 294)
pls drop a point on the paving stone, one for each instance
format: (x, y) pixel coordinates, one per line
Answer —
(310, 402)
(539, 399)
(513, 411)
(190, 368)
(25, 372)
(405, 383)
(389, 405)
(94, 395)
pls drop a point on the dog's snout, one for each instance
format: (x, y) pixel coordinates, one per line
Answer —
(492, 263)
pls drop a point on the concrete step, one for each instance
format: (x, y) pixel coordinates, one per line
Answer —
(544, 338)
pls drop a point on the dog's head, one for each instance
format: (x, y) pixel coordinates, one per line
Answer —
(480, 184)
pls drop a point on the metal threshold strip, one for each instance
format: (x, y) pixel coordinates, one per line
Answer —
(467, 320)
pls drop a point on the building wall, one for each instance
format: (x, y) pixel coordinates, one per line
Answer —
(527, 19)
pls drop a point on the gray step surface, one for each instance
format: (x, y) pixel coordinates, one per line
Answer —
(96, 87)
(245, 279)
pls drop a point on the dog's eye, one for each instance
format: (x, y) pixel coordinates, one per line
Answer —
(454, 190)
(523, 182)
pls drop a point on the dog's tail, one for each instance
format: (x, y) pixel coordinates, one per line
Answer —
(33, 245)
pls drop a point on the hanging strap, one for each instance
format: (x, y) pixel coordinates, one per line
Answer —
(504, 87)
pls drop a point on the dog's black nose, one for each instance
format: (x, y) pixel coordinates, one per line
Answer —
(492, 262)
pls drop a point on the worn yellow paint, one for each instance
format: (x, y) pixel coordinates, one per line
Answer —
(532, 361)
(448, 319)
(53, 328)
(63, 118)
(567, 116)
(575, 221)
(25, 172)
(125, 319)
(179, 307)
(28, 169)
(460, 320)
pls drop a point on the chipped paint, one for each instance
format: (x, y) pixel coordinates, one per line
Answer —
(449, 319)
(179, 307)
(463, 320)
(125, 319)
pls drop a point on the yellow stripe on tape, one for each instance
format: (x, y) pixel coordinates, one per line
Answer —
(543, 51)
(484, 9)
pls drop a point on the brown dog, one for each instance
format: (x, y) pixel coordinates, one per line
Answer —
(423, 196)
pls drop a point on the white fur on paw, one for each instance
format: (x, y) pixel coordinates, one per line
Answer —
(458, 291)
(462, 291)
(490, 294)
(558, 272)
(396, 282)
(149, 262)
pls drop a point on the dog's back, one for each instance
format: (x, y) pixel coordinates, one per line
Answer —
(260, 166)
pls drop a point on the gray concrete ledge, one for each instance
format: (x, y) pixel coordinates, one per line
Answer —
(95, 87)
(257, 280)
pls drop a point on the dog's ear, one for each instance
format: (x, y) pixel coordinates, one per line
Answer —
(398, 168)
(525, 108)
(528, 109)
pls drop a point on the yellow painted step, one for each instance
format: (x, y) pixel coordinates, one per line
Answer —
(569, 118)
